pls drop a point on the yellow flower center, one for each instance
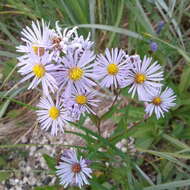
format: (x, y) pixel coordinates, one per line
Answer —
(112, 69)
(81, 99)
(53, 112)
(38, 50)
(140, 78)
(76, 168)
(76, 73)
(39, 70)
(157, 101)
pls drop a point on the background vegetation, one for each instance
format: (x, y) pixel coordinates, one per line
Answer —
(163, 146)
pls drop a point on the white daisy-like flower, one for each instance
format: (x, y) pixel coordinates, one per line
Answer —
(76, 71)
(73, 171)
(66, 39)
(52, 116)
(38, 68)
(160, 102)
(112, 68)
(80, 102)
(37, 38)
(144, 77)
(61, 40)
(81, 43)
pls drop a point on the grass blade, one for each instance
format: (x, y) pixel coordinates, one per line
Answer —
(113, 29)
(7, 102)
(119, 16)
(92, 6)
(175, 184)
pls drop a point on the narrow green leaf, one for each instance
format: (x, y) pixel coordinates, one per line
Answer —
(175, 141)
(165, 186)
(97, 186)
(118, 20)
(144, 175)
(167, 156)
(7, 54)
(4, 29)
(101, 139)
(92, 7)
(77, 8)
(178, 49)
(113, 29)
(143, 18)
(46, 188)
(5, 105)
(109, 113)
(69, 12)
(184, 81)
(50, 161)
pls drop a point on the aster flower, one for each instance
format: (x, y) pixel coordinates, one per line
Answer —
(37, 38)
(80, 101)
(76, 71)
(73, 171)
(65, 40)
(51, 116)
(144, 77)
(38, 68)
(83, 44)
(112, 68)
(61, 40)
(160, 102)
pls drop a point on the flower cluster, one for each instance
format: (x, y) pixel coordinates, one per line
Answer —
(145, 79)
(65, 67)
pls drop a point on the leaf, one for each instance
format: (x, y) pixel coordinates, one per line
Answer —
(184, 81)
(7, 54)
(109, 113)
(68, 12)
(178, 49)
(120, 173)
(104, 141)
(94, 118)
(97, 186)
(4, 175)
(14, 113)
(4, 106)
(50, 161)
(167, 156)
(180, 183)
(175, 141)
(5, 30)
(2, 162)
(117, 22)
(92, 7)
(86, 137)
(146, 177)
(170, 17)
(46, 188)
(113, 29)
(143, 18)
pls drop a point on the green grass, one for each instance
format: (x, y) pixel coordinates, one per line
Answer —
(163, 146)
